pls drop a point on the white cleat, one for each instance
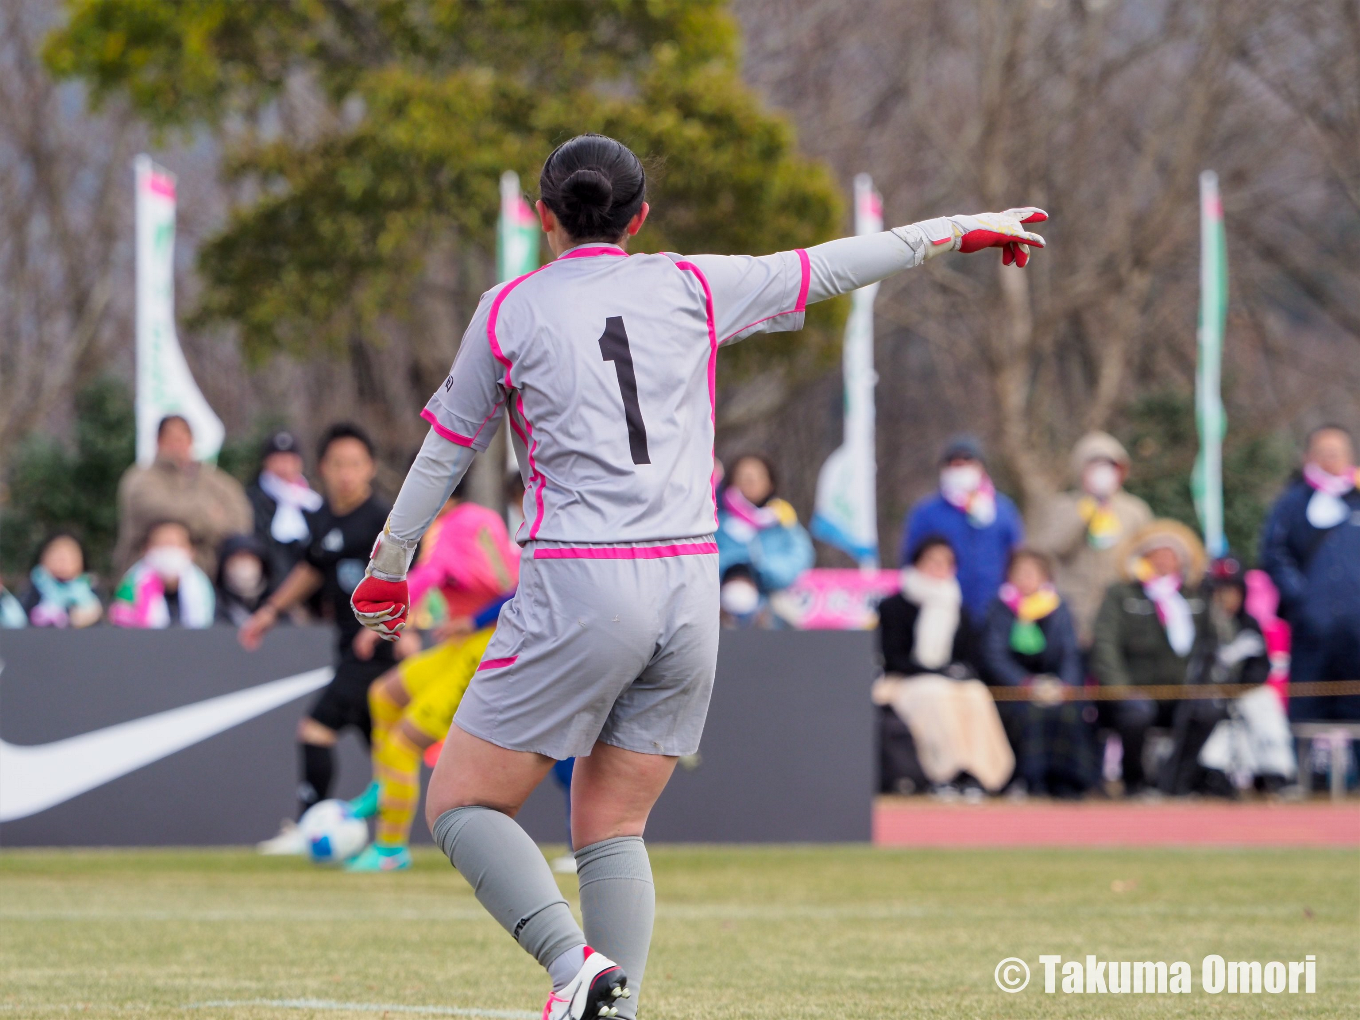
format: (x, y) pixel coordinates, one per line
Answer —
(290, 842)
(593, 994)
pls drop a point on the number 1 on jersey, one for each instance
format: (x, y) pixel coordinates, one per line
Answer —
(614, 347)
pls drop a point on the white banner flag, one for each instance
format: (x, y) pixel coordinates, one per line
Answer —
(164, 383)
(847, 503)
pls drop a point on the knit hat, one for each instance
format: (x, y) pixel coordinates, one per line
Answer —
(1097, 446)
(1163, 533)
(962, 446)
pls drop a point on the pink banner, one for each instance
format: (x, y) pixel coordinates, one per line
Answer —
(837, 599)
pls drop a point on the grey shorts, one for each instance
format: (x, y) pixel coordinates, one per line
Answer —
(601, 642)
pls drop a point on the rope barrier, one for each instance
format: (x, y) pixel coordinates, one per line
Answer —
(1177, 692)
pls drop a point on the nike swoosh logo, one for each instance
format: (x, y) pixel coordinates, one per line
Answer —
(38, 776)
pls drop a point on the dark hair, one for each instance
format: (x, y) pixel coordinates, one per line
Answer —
(161, 425)
(764, 462)
(59, 534)
(931, 542)
(1034, 556)
(342, 430)
(594, 185)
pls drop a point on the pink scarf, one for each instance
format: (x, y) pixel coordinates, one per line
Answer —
(1332, 485)
(758, 517)
(1173, 612)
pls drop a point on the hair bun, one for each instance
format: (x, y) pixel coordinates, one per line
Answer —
(590, 188)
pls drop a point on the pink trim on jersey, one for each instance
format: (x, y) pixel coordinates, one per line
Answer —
(618, 552)
(585, 253)
(530, 445)
(807, 279)
(496, 663)
(712, 360)
(449, 434)
(799, 307)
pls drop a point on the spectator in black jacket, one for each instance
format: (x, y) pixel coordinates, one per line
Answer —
(1311, 550)
(930, 680)
(1030, 641)
(243, 579)
(280, 499)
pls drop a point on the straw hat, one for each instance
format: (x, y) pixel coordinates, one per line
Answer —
(1163, 533)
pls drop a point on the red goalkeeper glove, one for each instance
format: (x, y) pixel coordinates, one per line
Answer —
(999, 230)
(381, 606)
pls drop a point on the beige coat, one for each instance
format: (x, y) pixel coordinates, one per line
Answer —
(1081, 572)
(209, 502)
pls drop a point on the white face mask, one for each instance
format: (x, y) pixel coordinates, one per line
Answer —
(243, 574)
(169, 561)
(962, 480)
(1101, 479)
(739, 598)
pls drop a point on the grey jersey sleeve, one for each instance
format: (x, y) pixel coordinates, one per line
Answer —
(752, 294)
(465, 409)
(846, 264)
(439, 466)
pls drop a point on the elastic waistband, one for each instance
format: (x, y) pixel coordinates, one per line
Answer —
(543, 550)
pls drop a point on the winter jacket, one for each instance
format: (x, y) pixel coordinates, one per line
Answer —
(1001, 664)
(1082, 572)
(897, 635)
(1131, 646)
(981, 552)
(280, 557)
(777, 552)
(209, 502)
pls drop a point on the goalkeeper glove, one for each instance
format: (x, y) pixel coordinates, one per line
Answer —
(380, 601)
(1002, 230)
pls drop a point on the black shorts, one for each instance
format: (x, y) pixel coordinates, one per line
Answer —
(344, 701)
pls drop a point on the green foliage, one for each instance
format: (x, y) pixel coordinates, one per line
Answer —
(1163, 443)
(429, 101)
(52, 486)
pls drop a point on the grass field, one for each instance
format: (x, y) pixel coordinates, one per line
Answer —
(777, 933)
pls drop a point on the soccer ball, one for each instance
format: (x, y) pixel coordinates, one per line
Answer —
(332, 833)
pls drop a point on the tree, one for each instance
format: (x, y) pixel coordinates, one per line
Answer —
(366, 141)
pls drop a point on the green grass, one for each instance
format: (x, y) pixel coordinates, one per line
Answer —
(783, 933)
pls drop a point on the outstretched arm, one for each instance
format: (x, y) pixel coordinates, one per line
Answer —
(846, 264)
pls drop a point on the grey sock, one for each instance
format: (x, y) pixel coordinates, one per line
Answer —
(510, 878)
(618, 903)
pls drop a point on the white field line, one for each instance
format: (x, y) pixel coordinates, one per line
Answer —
(367, 1007)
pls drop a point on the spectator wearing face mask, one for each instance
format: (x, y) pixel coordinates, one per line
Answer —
(1030, 642)
(1080, 530)
(1149, 627)
(60, 593)
(175, 487)
(164, 588)
(280, 500)
(243, 579)
(761, 546)
(982, 525)
(1311, 550)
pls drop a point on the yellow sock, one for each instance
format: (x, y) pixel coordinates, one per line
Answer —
(396, 763)
(384, 713)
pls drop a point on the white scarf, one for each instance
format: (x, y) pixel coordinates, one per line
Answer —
(291, 498)
(1327, 506)
(1173, 612)
(938, 619)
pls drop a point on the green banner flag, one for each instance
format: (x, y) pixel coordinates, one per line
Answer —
(517, 232)
(1207, 481)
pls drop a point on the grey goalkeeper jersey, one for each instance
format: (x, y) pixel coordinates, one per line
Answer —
(605, 362)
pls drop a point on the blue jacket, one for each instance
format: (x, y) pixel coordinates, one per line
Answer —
(777, 555)
(981, 552)
(1001, 664)
(1318, 574)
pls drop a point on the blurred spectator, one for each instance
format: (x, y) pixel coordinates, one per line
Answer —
(60, 593)
(208, 502)
(1030, 641)
(1311, 549)
(243, 578)
(165, 588)
(929, 681)
(741, 604)
(981, 524)
(1148, 628)
(280, 499)
(759, 532)
(1079, 530)
(12, 615)
(1235, 653)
